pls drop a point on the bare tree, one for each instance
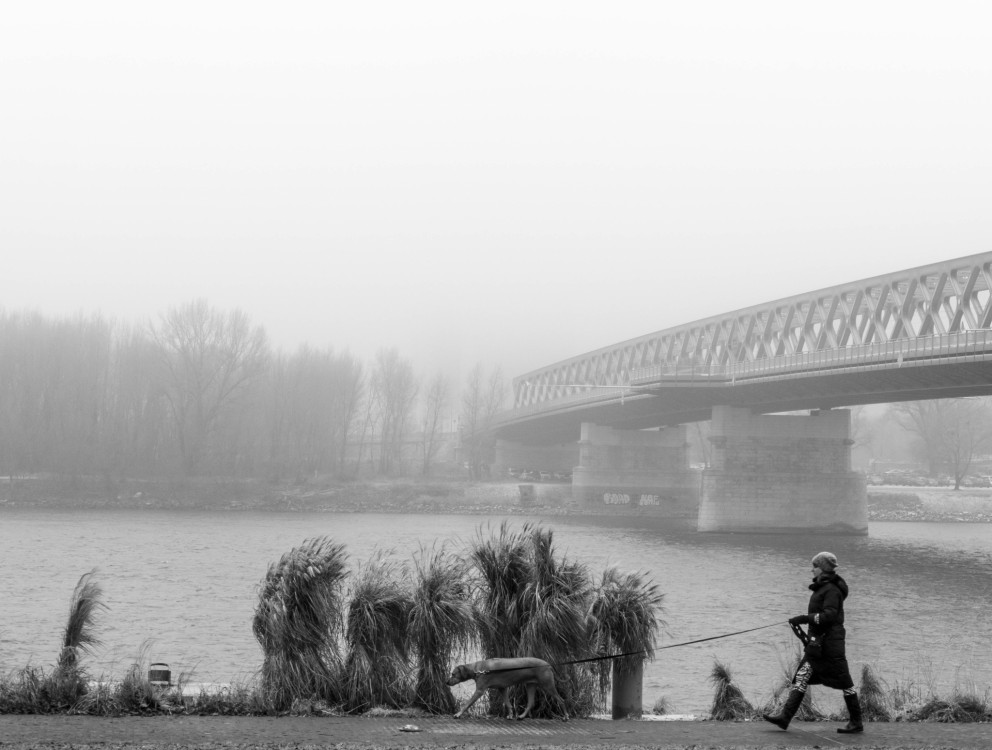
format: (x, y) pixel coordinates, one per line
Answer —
(482, 399)
(951, 432)
(210, 361)
(435, 402)
(311, 401)
(394, 390)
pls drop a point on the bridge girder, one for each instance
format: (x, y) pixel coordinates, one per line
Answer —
(915, 334)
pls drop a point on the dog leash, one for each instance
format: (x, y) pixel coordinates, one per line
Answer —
(671, 645)
(644, 651)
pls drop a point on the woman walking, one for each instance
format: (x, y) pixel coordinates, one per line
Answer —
(824, 660)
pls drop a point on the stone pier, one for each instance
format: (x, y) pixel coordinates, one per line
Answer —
(635, 471)
(782, 473)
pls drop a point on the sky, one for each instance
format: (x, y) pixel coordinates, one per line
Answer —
(509, 183)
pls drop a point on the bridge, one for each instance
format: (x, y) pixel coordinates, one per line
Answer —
(922, 333)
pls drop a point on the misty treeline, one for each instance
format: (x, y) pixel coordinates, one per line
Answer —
(947, 436)
(201, 392)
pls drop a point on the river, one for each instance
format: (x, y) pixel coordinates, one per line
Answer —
(181, 588)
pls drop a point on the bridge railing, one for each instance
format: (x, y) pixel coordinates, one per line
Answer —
(865, 355)
(926, 350)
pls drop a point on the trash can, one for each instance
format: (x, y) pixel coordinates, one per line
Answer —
(526, 495)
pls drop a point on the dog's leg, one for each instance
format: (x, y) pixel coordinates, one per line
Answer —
(507, 706)
(562, 707)
(473, 699)
(531, 690)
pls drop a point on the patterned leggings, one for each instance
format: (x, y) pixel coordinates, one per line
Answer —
(801, 681)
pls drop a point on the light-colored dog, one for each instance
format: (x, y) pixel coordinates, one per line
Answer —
(501, 674)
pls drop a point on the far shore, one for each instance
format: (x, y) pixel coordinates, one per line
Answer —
(451, 495)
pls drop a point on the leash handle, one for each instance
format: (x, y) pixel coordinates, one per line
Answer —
(800, 634)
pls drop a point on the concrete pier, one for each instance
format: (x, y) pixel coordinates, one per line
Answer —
(782, 473)
(642, 471)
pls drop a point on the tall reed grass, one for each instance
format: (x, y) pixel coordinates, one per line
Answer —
(298, 623)
(442, 625)
(377, 638)
(532, 601)
(624, 618)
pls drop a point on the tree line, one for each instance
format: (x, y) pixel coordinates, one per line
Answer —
(201, 392)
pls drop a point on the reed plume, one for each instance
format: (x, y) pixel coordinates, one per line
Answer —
(79, 636)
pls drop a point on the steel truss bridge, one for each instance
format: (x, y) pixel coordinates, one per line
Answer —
(923, 333)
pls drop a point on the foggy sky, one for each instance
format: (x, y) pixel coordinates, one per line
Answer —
(510, 182)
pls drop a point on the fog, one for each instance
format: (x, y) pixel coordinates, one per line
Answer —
(513, 184)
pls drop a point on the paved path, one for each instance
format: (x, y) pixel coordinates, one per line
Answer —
(358, 732)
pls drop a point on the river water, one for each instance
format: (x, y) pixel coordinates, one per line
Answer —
(181, 588)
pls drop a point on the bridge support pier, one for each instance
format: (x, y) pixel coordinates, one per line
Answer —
(782, 473)
(646, 471)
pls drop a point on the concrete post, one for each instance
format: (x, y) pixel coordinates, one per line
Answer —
(628, 688)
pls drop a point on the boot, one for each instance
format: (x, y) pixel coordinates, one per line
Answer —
(854, 724)
(784, 715)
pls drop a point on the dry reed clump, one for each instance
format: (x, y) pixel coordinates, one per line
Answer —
(298, 624)
(32, 689)
(623, 618)
(377, 639)
(661, 707)
(960, 707)
(873, 696)
(533, 602)
(442, 625)
(729, 703)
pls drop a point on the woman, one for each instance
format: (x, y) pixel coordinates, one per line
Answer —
(824, 660)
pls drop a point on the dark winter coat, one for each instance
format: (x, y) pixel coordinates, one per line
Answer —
(826, 622)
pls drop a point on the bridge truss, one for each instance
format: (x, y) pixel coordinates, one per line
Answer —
(928, 313)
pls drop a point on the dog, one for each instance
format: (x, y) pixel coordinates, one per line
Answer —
(501, 674)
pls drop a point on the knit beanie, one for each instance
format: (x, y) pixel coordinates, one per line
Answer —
(826, 561)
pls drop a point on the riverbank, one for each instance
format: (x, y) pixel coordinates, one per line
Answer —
(442, 495)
